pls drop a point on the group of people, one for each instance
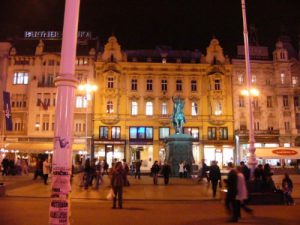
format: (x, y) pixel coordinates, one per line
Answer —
(184, 169)
(12, 167)
(42, 169)
(164, 170)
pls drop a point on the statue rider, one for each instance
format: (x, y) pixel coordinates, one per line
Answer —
(178, 118)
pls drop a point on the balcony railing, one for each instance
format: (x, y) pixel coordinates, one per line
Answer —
(258, 132)
(40, 84)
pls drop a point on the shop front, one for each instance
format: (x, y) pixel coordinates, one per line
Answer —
(278, 157)
(110, 151)
(142, 152)
(222, 154)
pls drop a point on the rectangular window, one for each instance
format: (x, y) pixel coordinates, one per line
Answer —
(294, 81)
(164, 108)
(149, 108)
(103, 133)
(164, 132)
(285, 100)
(194, 109)
(223, 133)
(37, 123)
(81, 102)
(115, 132)
(269, 102)
(241, 79)
(109, 107)
(178, 85)
(141, 133)
(110, 82)
(20, 78)
(212, 133)
(149, 85)
(241, 101)
(134, 85)
(133, 133)
(164, 85)
(193, 85)
(45, 122)
(134, 108)
(287, 126)
(256, 125)
(193, 131)
(282, 78)
(217, 84)
(255, 102)
(253, 79)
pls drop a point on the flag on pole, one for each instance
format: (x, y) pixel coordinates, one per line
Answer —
(7, 111)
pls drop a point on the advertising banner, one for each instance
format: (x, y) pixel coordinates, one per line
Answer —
(7, 111)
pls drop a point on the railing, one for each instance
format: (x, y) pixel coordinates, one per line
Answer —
(46, 84)
(258, 132)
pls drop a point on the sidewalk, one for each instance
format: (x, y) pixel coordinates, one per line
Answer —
(177, 190)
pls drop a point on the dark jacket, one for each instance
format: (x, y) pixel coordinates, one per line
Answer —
(118, 177)
(155, 169)
(231, 184)
(214, 173)
(166, 170)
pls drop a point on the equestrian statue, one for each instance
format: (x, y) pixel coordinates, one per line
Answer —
(178, 118)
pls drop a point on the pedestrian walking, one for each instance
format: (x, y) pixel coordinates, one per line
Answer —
(87, 173)
(214, 177)
(5, 166)
(181, 169)
(231, 203)
(287, 188)
(46, 171)
(203, 171)
(166, 170)
(117, 183)
(242, 193)
(154, 171)
(99, 178)
(245, 170)
(138, 165)
(126, 171)
(25, 167)
(105, 168)
(186, 169)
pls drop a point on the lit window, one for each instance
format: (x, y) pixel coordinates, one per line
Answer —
(115, 132)
(223, 133)
(134, 108)
(194, 109)
(164, 108)
(294, 80)
(81, 102)
(240, 78)
(164, 132)
(282, 78)
(103, 132)
(212, 133)
(253, 79)
(149, 108)
(20, 78)
(218, 110)
(109, 107)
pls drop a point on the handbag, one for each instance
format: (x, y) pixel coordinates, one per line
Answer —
(110, 194)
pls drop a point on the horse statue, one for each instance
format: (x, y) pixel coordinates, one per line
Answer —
(178, 118)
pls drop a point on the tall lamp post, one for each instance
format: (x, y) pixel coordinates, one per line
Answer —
(252, 158)
(88, 89)
(60, 210)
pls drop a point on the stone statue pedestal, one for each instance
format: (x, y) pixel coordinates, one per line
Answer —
(178, 149)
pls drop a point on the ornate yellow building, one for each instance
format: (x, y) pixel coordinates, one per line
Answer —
(133, 104)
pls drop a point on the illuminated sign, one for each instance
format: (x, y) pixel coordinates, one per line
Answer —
(284, 152)
(54, 35)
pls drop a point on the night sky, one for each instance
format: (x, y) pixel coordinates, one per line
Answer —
(144, 24)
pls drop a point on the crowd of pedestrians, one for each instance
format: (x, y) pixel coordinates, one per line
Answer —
(14, 167)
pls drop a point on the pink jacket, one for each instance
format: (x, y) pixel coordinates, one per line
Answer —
(242, 192)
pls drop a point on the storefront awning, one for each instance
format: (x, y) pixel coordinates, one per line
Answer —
(29, 147)
(278, 153)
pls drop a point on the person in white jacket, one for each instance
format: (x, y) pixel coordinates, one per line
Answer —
(242, 192)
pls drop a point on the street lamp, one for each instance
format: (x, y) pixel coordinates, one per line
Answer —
(252, 158)
(88, 89)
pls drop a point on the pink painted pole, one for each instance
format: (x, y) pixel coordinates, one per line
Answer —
(59, 210)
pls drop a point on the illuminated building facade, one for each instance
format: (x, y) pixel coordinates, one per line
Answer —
(133, 105)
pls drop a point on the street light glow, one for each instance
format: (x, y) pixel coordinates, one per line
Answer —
(253, 92)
